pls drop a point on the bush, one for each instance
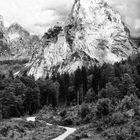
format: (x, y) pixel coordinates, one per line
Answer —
(137, 112)
(90, 96)
(63, 113)
(67, 122)
(102, 94)
(103, 107)
(118, 118)
(128, 103)
(134, 131)
(84, 111)
(129, 131)
(29, 125)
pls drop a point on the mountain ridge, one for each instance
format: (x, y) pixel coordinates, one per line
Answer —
(92, 27)
(16, 43)
(92, 34)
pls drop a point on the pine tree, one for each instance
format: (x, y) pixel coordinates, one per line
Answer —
(54, 77)
(61, 89)
(138, 69)
(77, 84)
(127, 86)
(96, 79)
(117, 70)
(84, 82)
(66, 86)
(0, 110)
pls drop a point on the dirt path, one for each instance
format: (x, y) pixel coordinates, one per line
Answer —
(68, 132)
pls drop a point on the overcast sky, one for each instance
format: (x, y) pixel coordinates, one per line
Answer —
(38, 15)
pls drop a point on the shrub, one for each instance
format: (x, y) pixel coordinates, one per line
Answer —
(102, 94)
(87, 119)
(29, 125)
(4, 131)
(63, 113)
(90, 96)
(103, 107)
(118, 118)
(111, 92)
(84, 111)
(134, 130)
(67, 121)
(129, 131)
(137, 112)
(128, 103)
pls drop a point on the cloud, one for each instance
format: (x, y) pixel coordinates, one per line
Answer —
(137, 24)
(35, 15)
(38, 15)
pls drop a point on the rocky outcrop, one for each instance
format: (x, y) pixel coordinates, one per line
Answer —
(94, 33)
(99, 31)
(53, 52)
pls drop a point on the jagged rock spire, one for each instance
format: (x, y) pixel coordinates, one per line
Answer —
(93, 33)
(98, 30)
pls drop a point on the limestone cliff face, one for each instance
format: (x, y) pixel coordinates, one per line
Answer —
(93, 33)
(52, 54)
(99, 31)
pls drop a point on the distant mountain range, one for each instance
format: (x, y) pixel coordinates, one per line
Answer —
(16, 42)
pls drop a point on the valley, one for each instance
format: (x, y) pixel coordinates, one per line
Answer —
(80, 80)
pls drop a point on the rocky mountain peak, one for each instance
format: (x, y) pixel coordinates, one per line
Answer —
(15, 30)
(93, 33)
(96, 28)
(84, 9)
(16, 43)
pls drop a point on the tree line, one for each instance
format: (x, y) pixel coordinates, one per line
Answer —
(21, 96)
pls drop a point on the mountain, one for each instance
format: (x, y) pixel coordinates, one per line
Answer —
(4, 48)
(16, 43)
(93, 33)
(99, 31)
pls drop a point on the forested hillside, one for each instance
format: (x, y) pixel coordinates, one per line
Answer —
(23, 95)
(106, 98)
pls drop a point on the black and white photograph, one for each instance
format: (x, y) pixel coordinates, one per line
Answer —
(69, 69)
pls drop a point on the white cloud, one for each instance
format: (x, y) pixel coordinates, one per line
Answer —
(137, 24)
(32, 14)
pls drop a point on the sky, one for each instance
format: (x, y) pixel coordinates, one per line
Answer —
(38, 15)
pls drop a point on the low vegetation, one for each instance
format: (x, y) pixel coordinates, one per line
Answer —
(18, 129)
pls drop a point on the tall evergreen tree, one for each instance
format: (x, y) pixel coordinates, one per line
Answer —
(67, 83)
(84, 81)
(61, 88)
(77, 83)
(127, 85)
(96, 79)
(138, 69)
